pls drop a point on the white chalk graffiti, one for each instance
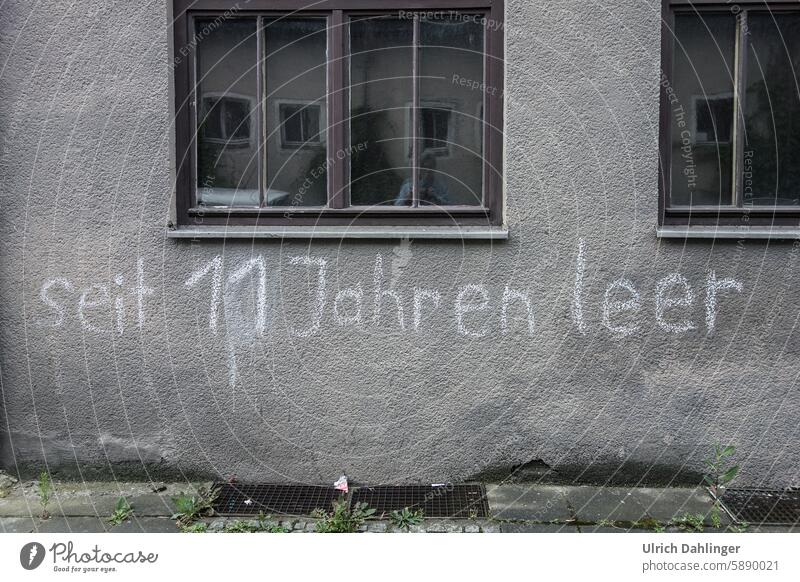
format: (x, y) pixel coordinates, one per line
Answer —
(261, 299)
(214, 266)
(464, 306)
(60, 310)
(577, 301)
(664, 302)
(95, 297)
(613, 307)
(380, 294)
(713, 286)
(472, 309)
(319, 304)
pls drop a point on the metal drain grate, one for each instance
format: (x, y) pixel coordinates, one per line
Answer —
(763, 506)
(250, 499)
(447, 501)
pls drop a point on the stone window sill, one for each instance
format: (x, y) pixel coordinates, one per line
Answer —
(728, 232)
(341, 232)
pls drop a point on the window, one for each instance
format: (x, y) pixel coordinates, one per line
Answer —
(730, 114)
(291, 115)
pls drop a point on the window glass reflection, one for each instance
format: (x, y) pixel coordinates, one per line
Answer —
(227, 140)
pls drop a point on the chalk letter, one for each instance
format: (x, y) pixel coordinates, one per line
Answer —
(319, 304)
(83, 304)
(577, 301)
(357, 295)
(141, 291)
(381, 293)
(261, 293)
(214, 265)
(611, 307)
(47, 300)
(420, 296)
(713, 285)
(462, 308)
(119, 305)
(663, 302)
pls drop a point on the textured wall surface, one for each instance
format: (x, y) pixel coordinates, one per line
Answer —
(109, 358)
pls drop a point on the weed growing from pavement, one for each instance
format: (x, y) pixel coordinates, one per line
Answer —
(406, 518)
(720, 473)
(44, 488)
(122, 511)
(693, 522)
(342, 519)
(189, 508)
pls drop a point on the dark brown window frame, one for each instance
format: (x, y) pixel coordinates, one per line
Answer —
(336, 214)
(714, 216)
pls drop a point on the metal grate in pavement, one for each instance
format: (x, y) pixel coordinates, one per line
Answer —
(446, 501)
(763, 506)
(250, 499)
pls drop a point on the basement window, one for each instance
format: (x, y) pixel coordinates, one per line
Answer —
(349, 117)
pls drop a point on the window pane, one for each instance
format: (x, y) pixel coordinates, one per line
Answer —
(296, 50)
(772, 111)
(380, 98)
(227, 158)
(451, 91)
(702, 110)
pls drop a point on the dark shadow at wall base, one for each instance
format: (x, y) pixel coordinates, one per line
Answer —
(626, 474)
(632, 474)
(118, 471)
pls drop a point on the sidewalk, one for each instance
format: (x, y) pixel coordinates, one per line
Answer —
(535, 508)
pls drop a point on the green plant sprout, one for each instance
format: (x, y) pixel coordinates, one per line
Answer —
(406, 518)
(122, 511)
(189, 508)
(342, 519)
(720, 473)
(44, 489)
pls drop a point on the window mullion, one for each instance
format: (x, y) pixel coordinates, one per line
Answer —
(415, 113)
(739, 109)
(336, 110)
(261, 149)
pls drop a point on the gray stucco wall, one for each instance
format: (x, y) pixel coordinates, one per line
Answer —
(86, 196)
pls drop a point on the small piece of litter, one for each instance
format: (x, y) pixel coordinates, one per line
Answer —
(341, 484)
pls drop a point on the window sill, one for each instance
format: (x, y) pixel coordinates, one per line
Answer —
(342, 232)
(729, 232)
